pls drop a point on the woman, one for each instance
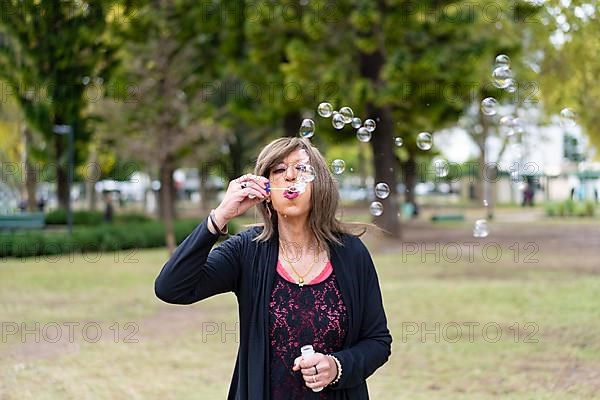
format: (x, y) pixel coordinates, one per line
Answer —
(300, 278)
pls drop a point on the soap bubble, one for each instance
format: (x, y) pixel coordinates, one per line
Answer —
(481, 229)
(441, 167)
(512, 86)
(325, 109)
(502, 60)
(370, 125)
(337, 121)
(347, 114)
(567, 117)
(489, 106)
(306, 173)
(501, 77)
(382, 190)
(424, 141)
(376, 208)
(507, 120)
(363, 134)
(338, 166)
(356, 122)
(307, 128)
(398, 141)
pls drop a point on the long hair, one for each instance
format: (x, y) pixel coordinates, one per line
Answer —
(325, 198)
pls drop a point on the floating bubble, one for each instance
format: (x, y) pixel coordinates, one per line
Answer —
(512, 86)
(306, 173)
(424, 141)
(370, 125)
(299, 187)
(441, 167)
(307, 128)
(382, 190)
(338, 166)
(356, 122)
(347, 114)
(363, 134)
(489, 106)
(398, 141)
(502, 60)
(86, 80)
(501, 77)
(337, 121)
(481, 229)
(485, 203)
(567, 117)
(325, 109)
(376, 208)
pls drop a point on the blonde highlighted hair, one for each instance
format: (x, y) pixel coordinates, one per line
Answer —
(325, 199)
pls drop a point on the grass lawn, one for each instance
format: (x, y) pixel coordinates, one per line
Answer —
(134, 346)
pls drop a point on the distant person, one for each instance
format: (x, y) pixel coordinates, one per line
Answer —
(528, 194)
(108, 208)
(300, 278)
(41, 203)
(23, 205)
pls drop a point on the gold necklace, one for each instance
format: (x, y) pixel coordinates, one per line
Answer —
(301, 277)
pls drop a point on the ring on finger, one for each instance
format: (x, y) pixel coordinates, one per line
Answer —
(314, 379)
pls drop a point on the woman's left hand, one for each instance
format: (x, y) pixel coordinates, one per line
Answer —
(326, 367)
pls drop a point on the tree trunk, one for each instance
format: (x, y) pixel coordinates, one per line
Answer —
(30, 172)
(90, 180)
(291, 123)
(382, 146)
(167, 205)
(62, 186)
(204, 201)
(409, 170)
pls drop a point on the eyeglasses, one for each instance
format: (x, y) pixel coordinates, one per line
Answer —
(301, 171)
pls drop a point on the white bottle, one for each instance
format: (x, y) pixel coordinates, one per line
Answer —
(308, 350)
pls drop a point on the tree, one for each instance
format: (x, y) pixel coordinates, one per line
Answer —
(167, 61)
(47, 51)
(571, 63)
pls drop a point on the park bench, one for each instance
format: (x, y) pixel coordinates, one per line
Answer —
(447, 217)
(33, 220)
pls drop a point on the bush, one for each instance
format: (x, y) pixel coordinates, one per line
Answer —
(570, 208)
(59, 217)
(103, 237)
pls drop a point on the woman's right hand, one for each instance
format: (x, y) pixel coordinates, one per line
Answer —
(242, 193)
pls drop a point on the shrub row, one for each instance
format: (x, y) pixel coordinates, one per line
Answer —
(59, 217)
(104, 237)
(571, 208)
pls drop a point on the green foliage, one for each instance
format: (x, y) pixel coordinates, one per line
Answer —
(103, 237)
(59, 217)
(571, 208)
(570, 69)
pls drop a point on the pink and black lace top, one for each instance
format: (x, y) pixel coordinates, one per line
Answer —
(312, 314)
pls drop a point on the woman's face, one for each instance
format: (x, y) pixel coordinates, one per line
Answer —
(283, 175)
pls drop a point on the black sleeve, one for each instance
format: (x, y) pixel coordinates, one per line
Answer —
(374, 347)
(194, 272)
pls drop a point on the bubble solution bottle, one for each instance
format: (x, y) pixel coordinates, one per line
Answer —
(308, 350)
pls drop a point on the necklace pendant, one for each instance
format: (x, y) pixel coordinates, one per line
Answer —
(301, 282)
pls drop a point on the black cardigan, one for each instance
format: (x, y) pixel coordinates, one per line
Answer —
(247, 268)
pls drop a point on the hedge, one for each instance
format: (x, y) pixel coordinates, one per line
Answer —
(59, 217)
(571, 208)
(104, 237)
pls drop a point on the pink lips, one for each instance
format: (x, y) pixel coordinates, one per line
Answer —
(290, 195)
